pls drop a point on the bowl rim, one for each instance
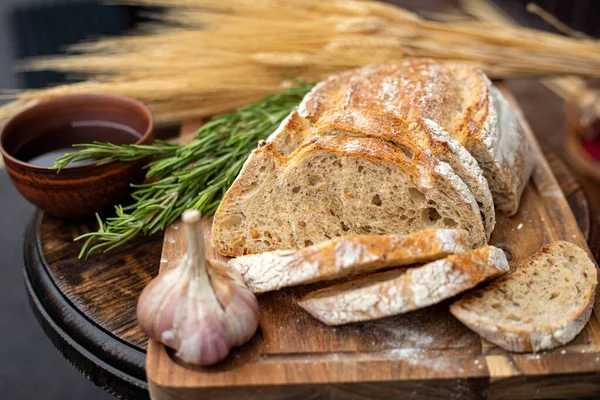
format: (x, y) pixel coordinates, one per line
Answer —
(68, 99)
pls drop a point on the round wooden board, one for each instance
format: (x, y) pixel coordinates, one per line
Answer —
(87, 307)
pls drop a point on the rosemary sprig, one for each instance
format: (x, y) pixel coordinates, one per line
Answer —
(108, 152)
(195, 175)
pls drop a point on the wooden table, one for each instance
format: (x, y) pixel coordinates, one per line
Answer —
(88, 308)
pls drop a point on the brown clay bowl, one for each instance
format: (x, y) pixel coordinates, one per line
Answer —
(82, 190)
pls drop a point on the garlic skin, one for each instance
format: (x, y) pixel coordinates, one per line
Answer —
(200, 308)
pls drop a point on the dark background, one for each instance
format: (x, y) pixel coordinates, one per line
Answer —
(30, 367)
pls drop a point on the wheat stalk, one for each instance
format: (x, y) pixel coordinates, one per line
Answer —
(203, 57)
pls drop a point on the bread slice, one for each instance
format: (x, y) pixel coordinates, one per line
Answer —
(459, 98)
(339, 186)
(405, 289)
(544, 304)
(345, 256)
(491, 132)
(370, 102)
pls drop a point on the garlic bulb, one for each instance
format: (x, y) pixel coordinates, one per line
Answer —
(201, 309)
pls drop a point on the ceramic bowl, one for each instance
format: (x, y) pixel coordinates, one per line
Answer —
(82, 190)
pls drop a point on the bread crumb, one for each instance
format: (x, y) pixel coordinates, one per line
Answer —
(520, 226)
(562, 351)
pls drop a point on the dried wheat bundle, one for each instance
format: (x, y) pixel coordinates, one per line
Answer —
(203, 57)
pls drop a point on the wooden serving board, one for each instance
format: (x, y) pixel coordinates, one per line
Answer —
(424, 354)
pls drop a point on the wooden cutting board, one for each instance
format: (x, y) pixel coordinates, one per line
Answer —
(425, 354)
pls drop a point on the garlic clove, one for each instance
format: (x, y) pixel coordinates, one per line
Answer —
(224, 287)
(223, 269)
(243, 317)
(199, 333)
(158, 302)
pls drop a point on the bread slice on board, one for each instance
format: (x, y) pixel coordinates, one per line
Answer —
(405, 289)
(372, 102)
(345, 256)
(544, 304)
(339, 186)
(488, 127)
(459, 98)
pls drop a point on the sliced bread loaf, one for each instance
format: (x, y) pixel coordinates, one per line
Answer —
(339, 186)
(346, 255)
(544, 304)
(375, 101)
(405, 289)
(459, 98)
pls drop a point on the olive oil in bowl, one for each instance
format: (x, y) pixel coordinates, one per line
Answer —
(44, 150)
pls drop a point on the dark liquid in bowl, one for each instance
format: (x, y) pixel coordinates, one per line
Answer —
(45, 149)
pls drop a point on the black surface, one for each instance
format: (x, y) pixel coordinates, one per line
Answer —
(30, 366)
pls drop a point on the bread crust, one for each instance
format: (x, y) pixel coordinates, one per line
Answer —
(514, 161)
(345, 256)
(525, 339)
(405, 289)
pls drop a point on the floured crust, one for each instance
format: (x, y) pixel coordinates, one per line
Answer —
(345, 256)
(405, 289)
(564, 324)
(291, 133)
(526, 342)
(513, 154)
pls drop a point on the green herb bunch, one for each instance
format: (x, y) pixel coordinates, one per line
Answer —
(195, 175)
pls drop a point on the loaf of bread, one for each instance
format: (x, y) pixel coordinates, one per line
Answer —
(340, 186)
(385, 149)
(404, 289)
(346, 255)
(545, 303)
(458, 98)
(385, 101)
